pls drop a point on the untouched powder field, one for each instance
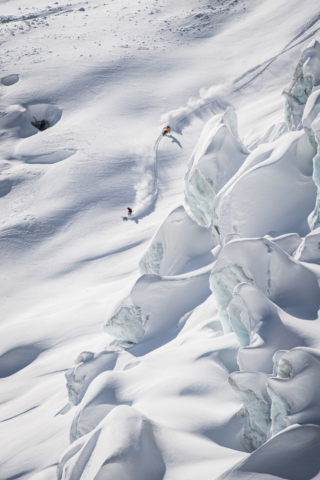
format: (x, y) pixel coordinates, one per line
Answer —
(183, 342)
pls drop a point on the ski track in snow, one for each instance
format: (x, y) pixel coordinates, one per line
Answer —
(158, 395)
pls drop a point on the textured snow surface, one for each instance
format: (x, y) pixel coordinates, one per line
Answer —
(182, 342)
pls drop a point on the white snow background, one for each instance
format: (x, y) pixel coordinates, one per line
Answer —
(209, 295)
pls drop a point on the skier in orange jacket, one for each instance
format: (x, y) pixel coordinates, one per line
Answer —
(166, 130)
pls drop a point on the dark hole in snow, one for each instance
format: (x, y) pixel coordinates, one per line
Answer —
(40, 124)
(10, 80)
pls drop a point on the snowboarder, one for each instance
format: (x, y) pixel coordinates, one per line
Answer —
(129, 211)
(166, 130)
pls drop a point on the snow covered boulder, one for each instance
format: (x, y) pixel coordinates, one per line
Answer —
(121, 447)
(273, 192)
(306, 76)
(217, 156)
(179, 246)
(295, 390)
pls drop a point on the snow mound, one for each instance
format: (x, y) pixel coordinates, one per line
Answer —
(272, 192)
(217, 156)
(266, 328)
(171, 252)
(262, 263)
(305, 78)
(121, 446)
(155, 306)
(88, 366)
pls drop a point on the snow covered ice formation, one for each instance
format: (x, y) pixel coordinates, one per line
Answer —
(217, 156)
(209, 294)
(255, 332)
(170, 251)
(306, 78)
(273, 191)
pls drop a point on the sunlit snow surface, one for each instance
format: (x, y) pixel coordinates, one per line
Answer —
(209, 294)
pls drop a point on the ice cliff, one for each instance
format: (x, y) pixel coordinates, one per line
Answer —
(217, 156)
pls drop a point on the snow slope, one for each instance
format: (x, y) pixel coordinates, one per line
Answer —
(185, 382)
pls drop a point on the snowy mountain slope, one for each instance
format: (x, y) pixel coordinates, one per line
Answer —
(66, 255)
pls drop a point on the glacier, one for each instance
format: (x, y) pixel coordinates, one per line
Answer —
(183, 341)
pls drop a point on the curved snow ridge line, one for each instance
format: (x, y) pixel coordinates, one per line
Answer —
(170, 251)
(262, 66)
(155, 306)
(221, 107)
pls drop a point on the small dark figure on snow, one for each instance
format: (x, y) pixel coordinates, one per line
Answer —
(40, 124)
(166, 130)
(129, 211)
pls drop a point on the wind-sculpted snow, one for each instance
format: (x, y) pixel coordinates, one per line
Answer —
(262, 263)
(289, 242)
(155, 307)
(217, 156)
(272, 192)
(88, 366)
(306, 76)
(309, 249)
(292, 454)
(161, 389)
(121, 446)
(244, 315)
(268, 329)
(171, 252)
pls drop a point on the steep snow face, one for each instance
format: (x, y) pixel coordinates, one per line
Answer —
(171, 252)
(311, 124)
(309, 249)
(263, 263)
(273, 192)
(164, 401)
(144, 314)
(297, 371)
(217, 156)
(293, 453)
(124, 430)
(251, 389)
(306, 77)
